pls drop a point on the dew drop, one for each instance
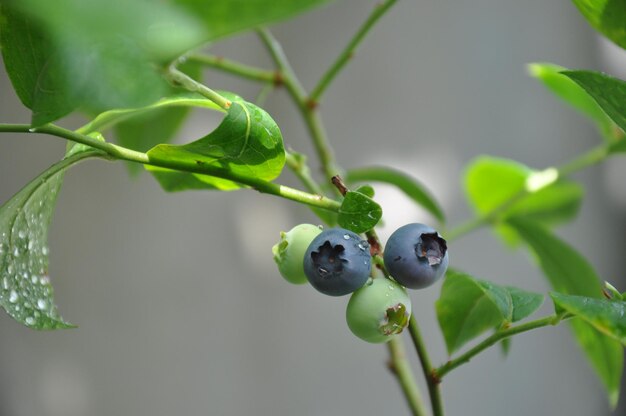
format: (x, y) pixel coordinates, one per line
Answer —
(346, 237)
(32, 130)
(16, 252)
(31, 244)
(34, 279)
(44, 250)
(13, 297)
(30, 320)
(5, 283)
(21, 234)
(42, 304)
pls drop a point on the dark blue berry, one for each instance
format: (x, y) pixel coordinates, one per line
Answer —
(337, 262)
(416, 256)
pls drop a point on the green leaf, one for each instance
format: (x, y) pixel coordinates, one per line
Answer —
(32, 64)
(607, 17)
(97, 54)
(366, 190)
(468, 307)
(570, 92)
(358, 212)
(247, 144)
(492, 183)
(524, 303)
(607, 91)
(112, 117)
(25, 290)
(226, 17)
(605, 355)
(568, 272)
(157, 125)
(176, 181)
(410, 186)
(610, 94)
(608, 317)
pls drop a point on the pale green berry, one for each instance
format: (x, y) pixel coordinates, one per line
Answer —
(289, 251)
(378, 311)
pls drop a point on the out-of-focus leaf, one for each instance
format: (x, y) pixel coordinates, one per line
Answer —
(94, 54)
(607, 17)
(410, 186)
(511, 189)
(158, 125)
(226, 17)
(568, 272)
(32, 64)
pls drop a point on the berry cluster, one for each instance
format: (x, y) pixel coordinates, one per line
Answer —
(338, 262)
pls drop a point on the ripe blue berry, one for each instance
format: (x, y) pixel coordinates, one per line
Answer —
(378, 311)
(289, 251)
(416, 256)
(337, 262)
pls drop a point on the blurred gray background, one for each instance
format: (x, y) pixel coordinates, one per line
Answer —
(180, 307)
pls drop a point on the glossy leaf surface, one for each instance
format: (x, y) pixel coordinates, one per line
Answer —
(608, 317)
(247, 144)
(358, 212)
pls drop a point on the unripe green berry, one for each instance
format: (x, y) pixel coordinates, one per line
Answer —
(289, 251)
(378, 310)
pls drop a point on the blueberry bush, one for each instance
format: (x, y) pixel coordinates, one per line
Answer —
(134, 69)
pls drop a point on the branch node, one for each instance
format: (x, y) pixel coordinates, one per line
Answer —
(279, 79)
(434, 377)
(311, 103)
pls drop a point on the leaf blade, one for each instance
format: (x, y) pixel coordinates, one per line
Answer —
(25, 290)
(607, 91)
(571, 92)
(247, 143)
(358, 212)
(228, 17)
(464, 310)
(570, 273)
(608, 317)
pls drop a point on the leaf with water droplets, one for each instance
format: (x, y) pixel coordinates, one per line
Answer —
(608, 317)
(358, 212)
(25, 290)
